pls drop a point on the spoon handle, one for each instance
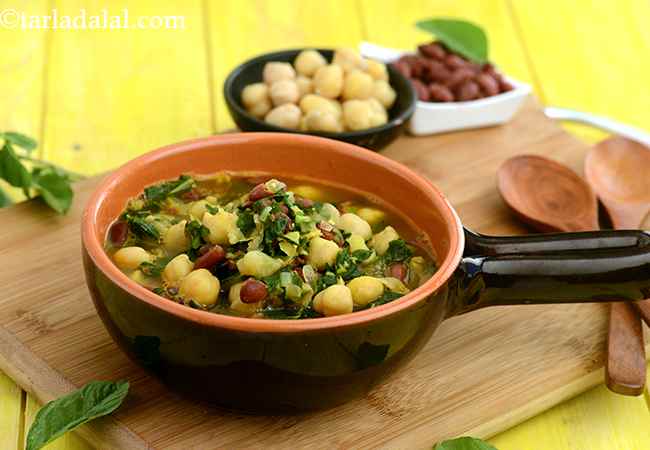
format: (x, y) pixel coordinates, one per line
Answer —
(625, 372)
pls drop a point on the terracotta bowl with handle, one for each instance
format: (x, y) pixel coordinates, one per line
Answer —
(264, 364)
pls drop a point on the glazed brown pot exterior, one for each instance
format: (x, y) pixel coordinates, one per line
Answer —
(258, 364)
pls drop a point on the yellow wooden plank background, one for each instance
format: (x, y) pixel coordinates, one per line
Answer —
(95, 99)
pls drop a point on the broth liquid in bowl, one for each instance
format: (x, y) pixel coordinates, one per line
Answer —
(254, 246)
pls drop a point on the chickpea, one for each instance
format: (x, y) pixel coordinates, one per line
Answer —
(177, 269)
(130, 258)
(308, 62)
(305, 86)
(377, 70)
(334, 300)
(284, 91)
(383, 92)
(357, 243)
(378, 115)
(174, 239)
(311, 102)
(235, 301)
(380, 241)
(356, 114)
(285, 116)
(254, 93)
(310, 192)
(139, 277)
(201, 286)
(355, 225)
(199, 208)
(349, 59)
(260, 109)
(319, 120)
(373, 216)
(276, 71)
(330, 212)
(322, 252)
(222, 227)
(258, 264)
(358, 85)
(365, 290)
(328, 81)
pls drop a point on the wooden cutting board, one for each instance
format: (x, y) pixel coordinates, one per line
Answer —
(481, 373)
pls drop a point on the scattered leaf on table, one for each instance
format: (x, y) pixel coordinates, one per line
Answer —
(19, 140)
(54, 188)
(460, 36)
(4, 199)
(95, 399)
(464, 443)
(12, 170)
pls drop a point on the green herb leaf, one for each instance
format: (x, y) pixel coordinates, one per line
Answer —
(96, 399)
(462, 37)
(54, 188)
(154, 269)
(386, 297)
(397, 251)
(12, 170)
(245, 222)
(158, 192)
(325, 281)
(4, 199)
(198, 234)
(20, 140)
(140, 227)
(464, 443)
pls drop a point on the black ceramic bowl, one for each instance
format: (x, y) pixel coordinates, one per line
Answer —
(372, 138)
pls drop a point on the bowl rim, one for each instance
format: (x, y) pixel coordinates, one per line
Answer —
(95, 248)
(395, 122)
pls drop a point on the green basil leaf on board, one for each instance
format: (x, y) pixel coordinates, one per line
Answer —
(464, 443)
(54, 188)
(95, 399)
(12, 170)
(20, 140)
(462, 37)
(4, 199)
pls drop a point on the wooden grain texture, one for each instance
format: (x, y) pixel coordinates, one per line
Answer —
(481, 372)
(589, 54)
(114, 94)
(243, 29)
(11, 413)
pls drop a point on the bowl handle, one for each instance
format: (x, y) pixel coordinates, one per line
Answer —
(594, 266)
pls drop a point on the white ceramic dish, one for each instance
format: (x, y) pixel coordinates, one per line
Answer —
(430, 117)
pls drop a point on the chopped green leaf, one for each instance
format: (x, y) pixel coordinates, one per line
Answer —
(361, 255)
(464, 443)
(20, 140)
(460, 36)
(397, 251)
(12, 170)
(346, 265)
(198, 235)
(326, 280)
(245, 222)
(140, 227)
(54, 188)
(386, 297)
(154, 269)
(95, 399)
(158, 192)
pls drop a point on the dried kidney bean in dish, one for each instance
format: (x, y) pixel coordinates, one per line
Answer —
(439, 75)
(254, 246)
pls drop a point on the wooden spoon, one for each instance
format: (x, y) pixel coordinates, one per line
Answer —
(551, 197)
(618, 169)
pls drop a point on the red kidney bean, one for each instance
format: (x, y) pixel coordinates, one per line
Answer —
(504, 86)
(118, 233)
(283, 208)
(433, 50)
(436, 71)
(440, 93)
(489, 86)
(403, 67)
(326, 230)
(458, 77)
(455, 62)
(210, 258)
(259, 192)
(397, 270)
(421, 90)
(469, 90)
(192, 195)
(303, 202)
(253, 291)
